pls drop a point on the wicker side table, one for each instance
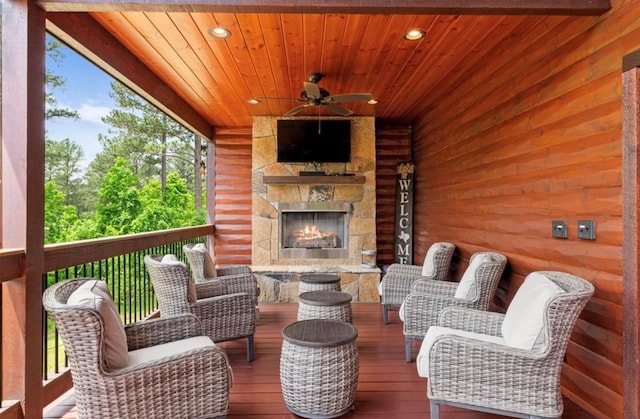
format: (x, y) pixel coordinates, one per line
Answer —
(319, 367)
(319, 282)
(334, 305)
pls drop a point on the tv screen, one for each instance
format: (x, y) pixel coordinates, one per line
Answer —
(308, 140)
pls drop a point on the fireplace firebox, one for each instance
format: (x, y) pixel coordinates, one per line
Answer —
(314, 230)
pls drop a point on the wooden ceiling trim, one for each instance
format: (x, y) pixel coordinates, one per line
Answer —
(221, 65)
(216, 85)
(82, 33)
(454, 7)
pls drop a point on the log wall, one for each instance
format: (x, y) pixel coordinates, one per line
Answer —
(232, 197)
(532, 136)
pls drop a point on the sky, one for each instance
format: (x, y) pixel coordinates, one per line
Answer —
(86, 90)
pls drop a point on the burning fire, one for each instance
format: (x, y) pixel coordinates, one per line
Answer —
(312, 232)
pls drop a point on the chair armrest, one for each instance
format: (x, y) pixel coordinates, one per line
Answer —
(481, 366)
(227, 316)
(161, 330)
(210, 288)
(421, 311)
(397, 268)
(472, 320)
(430, 286)
(233, 270)
(395, 287)
(240, 283)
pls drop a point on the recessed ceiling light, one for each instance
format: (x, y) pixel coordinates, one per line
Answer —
(220, 32)
(372, 101)
(414, 34)
(253, 101)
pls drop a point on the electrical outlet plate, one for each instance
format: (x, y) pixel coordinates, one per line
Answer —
(586, 229)
(559, 229)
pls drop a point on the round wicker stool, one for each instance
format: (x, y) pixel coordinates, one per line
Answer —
(334, 305)
(319, 282)
(319, 367)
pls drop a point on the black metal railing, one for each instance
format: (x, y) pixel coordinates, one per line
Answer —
(129, 284)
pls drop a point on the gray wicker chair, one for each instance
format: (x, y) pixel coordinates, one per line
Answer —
(397, 281)
(480, 375)
(224, 316)
(189, 383)
(236, 278)
(422, 306)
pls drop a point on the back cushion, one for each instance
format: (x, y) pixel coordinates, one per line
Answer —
(524, 320)
(428, 267)
(170, 259)
(209, 265)
(95, 294)
(467, 288)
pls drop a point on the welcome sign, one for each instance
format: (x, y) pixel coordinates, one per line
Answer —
(404, 213)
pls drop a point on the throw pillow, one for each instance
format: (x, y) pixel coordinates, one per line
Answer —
(524, 320)
(95, 294)
(192, 295)
(209, 264)
(467, 288)
(428, 266)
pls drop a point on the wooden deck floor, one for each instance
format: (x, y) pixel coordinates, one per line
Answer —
(387, 385)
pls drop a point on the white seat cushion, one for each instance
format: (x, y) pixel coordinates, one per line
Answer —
(467, 287)
(95, 294)
(524, 320)
(422, 360)
(153, 353)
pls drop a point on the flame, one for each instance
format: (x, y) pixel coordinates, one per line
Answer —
(312, 232)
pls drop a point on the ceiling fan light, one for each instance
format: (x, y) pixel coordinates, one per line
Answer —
(414, 34)
(253, 101)
(220, 32)
(372, 101)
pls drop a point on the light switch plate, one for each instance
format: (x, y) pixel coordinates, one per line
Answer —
(559, 229)
(586, 229)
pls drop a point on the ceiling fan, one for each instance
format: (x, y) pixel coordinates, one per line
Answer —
(315, 96)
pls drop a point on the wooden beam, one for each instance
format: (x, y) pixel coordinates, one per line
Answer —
(82, 33)
(23, 94)
(432, 7)
(631, 241)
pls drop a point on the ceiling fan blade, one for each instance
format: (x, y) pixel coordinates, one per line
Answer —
(312, 90)
(340, 110)
(350, 97)
(292, 99)
(297, 109)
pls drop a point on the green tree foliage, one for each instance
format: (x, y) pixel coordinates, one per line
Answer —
(59, 218)
(118, 200)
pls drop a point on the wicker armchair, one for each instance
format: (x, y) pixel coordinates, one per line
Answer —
(476, 289)
(237, 278)
(396, 283)
(223, 316)
(472, 360)
(188, 377)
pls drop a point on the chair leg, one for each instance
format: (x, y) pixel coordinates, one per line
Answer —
(435, 409)
(385, 313)
(407, 348)
(250, 348)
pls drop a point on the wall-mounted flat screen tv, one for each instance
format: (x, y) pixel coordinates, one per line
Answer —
(313, 140)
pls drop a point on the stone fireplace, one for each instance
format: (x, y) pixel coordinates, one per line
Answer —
(305, 224)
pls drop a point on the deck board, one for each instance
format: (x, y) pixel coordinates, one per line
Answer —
(387, 385)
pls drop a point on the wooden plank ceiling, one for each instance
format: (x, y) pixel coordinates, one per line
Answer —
(269, 55)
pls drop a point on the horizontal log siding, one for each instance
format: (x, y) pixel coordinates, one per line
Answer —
(530, 136)
(393, 145)
(233, 197)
